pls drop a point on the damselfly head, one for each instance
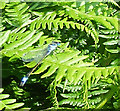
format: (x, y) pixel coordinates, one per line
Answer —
(53, 46)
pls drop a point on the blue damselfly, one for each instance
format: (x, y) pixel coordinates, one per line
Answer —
(37, 58)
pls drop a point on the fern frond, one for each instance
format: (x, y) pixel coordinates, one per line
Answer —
(24, 41)
(112, 1)
(98, 95)
(16, 14)
(101, 19)
(1, 26)
(73, 69)
(70, 88)
(8, 104)
(116, 51)
(19, 42)
(4, 37)
(52, 22)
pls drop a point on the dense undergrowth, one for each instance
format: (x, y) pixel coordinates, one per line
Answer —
(84, 71)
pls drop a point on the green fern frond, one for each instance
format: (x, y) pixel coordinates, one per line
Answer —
(109, 36)
(16, 14)
(1, 26)
(111, 42)
(71, 88)
(72, 102)
(8, 104)
(73, 69)
(98, 95)
(117, 50)
(99, 8)
(21, 42)
(4, 37)
(101, 19)
(112, 1)
(52, 22)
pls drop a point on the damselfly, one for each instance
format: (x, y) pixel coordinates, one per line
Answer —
(37, 58)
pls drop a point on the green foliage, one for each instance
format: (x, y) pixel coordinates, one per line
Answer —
(9, 104)
(98, 94)
(18, 15)
(84, 72)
